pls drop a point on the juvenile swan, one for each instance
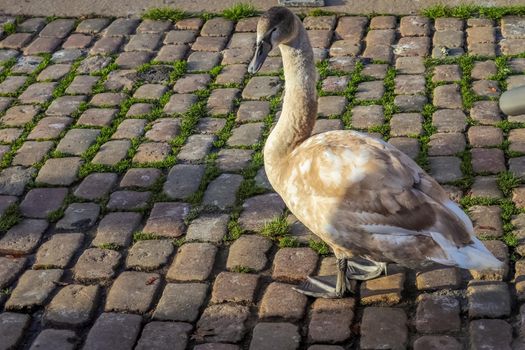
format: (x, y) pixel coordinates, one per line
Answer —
(370, 202)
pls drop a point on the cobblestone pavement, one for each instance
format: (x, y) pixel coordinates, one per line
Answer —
(136, 212)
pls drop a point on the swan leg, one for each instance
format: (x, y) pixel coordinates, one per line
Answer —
(364, 269)
(328, 286)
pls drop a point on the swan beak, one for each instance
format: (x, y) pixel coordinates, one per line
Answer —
(261, 52)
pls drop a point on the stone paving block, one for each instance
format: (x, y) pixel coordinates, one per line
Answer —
(12, 84)
(486, 220)
(140, 177)
(106, 45)
(281, 301)
(407, 145)
(444, 342)
(77, 141)
(95, 186)
(163, 130)
(179, 103)
(96, 265)
(26, 65)
(207, 43)
(261, 87)
(490, 334)
(232, 74)
(193, 262)
(183, 180)
(445, 169)
(171, 53)
(437, 314)
(49, 128)
(16, 41)
(259, 210)
(58, 251)
(351, 26)
(501, 252)
(164, 336)
(31, 25)
(275, 335)
(486, 112)
(330, 321)
(19, 115)
(9, 135)
(14, 179)
(518, 196)
(221, 101)
(221, 192)
(132, 292)
(59, 171)
(445, 144)
(251, 111)
(485, 136)
(515, 81)
(40, 202)
(248, 251)
(233, 160)
(364, 117)
(217, 346)
(24, 237)
(446, 73)
(82, 84)
(42, 45)
(331, 105)
(149, 255)
(120, 79)
(153, 26)
(217, 27)
(70, 55)
(408, 85)
(410, 65)
(37, 93)
(324, 125)
(410, 103)
(113, 330)
(117, 229)
(486, 88)
(383, 328)
(32, 152)
(485, 186)
(54, 72)
(55, 339)
(414, 26)
(348, 47)
(447, 96)
(59, 28)
(108, 99)
(208, 228)
(167, 219)
(223, 323)
(517, 166)
(79, 216)
(488, 160)
(122, 26)
(138, 109)
(234, 287)
(385, 289)
(333, 84)
(112, 152)
(6, 55)
(129, 200)
(181, 302)
(294, 264)
(412, 46)
(190, 24)
(406, 124)
(488, 299)
(196, 148)
(151, 152)
(516, 137)
(203, 61)
(33, 289)
(143, 42)
(73, 305)
(133, 59)
(191, 83)
(12, 328)
(77, 41)
(10, 269)
(210, 125)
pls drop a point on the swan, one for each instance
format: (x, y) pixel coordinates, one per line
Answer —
(367, 200)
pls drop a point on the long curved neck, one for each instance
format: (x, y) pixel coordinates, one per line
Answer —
(300, 100)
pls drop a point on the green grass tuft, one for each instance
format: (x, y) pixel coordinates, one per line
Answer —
(467, 11)
(239, 11)
(242, 269)
(10, 218)
(288, 242)
(319, 246)
(319, 13)
(144, 236)
(507, 181)
(165, 13)
(10, 28)
(109, 246)
(278, 227)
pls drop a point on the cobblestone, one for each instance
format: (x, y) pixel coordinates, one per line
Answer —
(73, 305)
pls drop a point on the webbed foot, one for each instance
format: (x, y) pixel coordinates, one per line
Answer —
(325, 287)
(364, 269)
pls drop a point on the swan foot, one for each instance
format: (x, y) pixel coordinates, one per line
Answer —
(364, 269)
(325, 287)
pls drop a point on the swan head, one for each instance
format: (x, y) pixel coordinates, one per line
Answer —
(276, 26)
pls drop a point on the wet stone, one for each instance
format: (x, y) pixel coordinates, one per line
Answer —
(275, 335)
(203, 61)
(281, 301)
(193, 262)
(485, 186)
(445, 169)
(79, 216)
(24, 237)
(92, 25)
(74, 305)
(149, 255)
(114, 331)
(19, 115)
(13, 180)
(261, 87)
(406, 124)
(444, 144)
(223, 323)
(234, 287)
(385, 289)
(40, 202)
(96, 186)
(294, 264)
(59, 171)
(132, 292)
(444, 342)
(32, 152)
(10, 268)
(33, 289)
(164, 336)
(248, 251)
(181, 302)
(488, 160)
(140, 177)
(179, 103)
(183, 180)
(37, 93)
(12, 327)
(490, 334)
(96, 265)
(58, 251)
(128, 200)
(196, 148)
(330, 321)
(49, 128)
(233, 160)
(485, 136)
(364, 117)
(112, 152)
(383, 328)
(117, 229)
(488, 299)
(437, 314)
(167, 219)
(77, 141)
